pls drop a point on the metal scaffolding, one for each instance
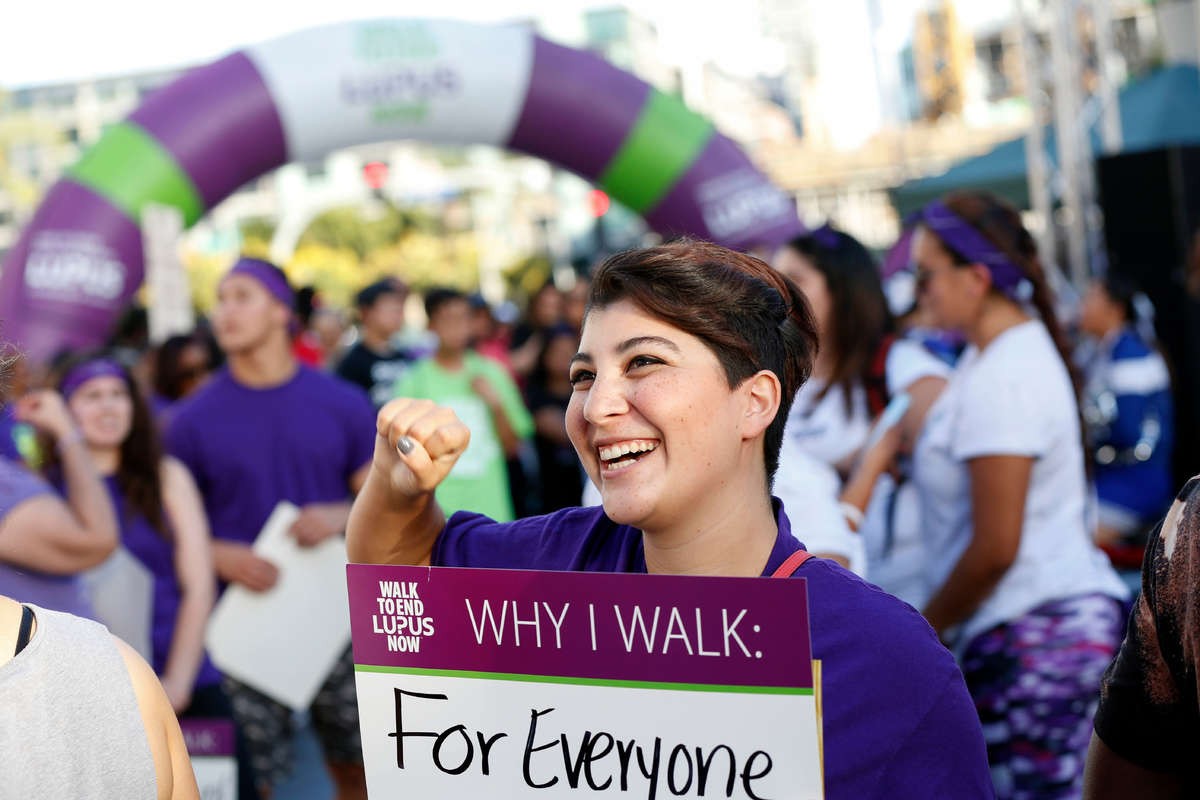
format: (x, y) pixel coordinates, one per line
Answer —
(1082, 95)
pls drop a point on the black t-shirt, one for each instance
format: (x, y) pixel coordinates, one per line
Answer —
(375, 372)
(1149, 711)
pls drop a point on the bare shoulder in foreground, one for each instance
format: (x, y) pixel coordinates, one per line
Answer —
(172, 767)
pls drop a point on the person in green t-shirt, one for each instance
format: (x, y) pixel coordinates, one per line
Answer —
(484, 397)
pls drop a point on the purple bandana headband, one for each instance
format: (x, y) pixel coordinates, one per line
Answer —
(97, 368)
(826, 236)
(900, 254)
(270, 276)
(961, 237)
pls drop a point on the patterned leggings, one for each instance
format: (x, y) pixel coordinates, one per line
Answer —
(268, 725)
(1036, 682)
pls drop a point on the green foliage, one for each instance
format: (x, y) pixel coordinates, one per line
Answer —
(256, 233)
(526, 275)
(25, 129)
(364, 231)
(346, 248)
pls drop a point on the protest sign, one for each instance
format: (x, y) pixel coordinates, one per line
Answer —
(512, 684)
(210, 746)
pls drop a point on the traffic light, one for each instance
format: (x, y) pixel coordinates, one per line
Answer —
(600, 202)
(375, 173)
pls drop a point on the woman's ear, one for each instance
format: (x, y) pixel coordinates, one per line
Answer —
(763, 394)
(982, 279)
(287, 316)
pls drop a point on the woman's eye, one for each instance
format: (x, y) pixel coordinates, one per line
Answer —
(580, 377)
(642, 361)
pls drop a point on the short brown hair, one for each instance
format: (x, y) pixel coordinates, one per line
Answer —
(751, 316)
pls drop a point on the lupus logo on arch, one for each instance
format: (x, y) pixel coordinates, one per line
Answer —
(75, 265)
(392, 40)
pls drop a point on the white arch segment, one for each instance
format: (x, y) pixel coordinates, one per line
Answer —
(388, 79)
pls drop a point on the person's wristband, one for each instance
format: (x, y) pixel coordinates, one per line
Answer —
(74, 437)
(853, 515)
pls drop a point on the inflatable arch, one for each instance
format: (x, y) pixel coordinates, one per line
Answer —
(198, 139)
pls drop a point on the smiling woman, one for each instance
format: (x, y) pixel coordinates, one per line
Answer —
(665, 345)
(689, 358)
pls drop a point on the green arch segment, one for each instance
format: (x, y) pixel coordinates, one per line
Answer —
(132, 170)
(666, 140)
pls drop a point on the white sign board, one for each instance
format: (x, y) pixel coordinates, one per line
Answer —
(517, 684)
(285, 641)
(170, 307)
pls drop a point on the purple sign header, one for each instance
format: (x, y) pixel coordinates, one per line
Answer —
(736, 632)
(208, 737)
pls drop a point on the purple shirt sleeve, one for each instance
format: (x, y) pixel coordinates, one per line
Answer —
(178, 442)
(936, 759)
(899, 723)
(56, 592)
(17, 485)
(473, 540)
(580, 539)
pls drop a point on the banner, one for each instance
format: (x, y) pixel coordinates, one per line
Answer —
(513, 684)
(194, 142)
(391, 79)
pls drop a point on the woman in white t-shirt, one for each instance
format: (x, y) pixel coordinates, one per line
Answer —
(1032, 608)
(860, 365)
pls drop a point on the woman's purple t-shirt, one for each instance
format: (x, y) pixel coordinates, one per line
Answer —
(55, 592)
(157, 554)
(899, 723)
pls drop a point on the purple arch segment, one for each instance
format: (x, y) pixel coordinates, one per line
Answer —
(74, 269)
(578, 109)
(220, 123)
(723, 197)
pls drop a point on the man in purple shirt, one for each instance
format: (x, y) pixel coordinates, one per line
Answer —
(689, 360)
(267, 429)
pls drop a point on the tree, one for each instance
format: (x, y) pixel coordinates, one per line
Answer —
(37, 135)
(343, 250)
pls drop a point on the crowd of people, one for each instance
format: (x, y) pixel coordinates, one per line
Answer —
(680, 409)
